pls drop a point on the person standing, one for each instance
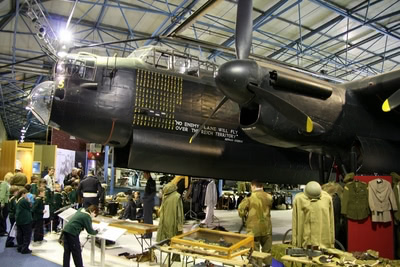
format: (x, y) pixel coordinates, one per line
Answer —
(148, 200)
(4, 196)
(23, 219)
(90, 190)
(37, 216)
(72, 177)
(256, 210)
(19, 178)
(50, 179)
(82, 219)
(12, 206)
(171, 215)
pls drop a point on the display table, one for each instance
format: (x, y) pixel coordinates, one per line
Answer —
(194, 256)
(305, 261)
(139, 230)
(106, 233)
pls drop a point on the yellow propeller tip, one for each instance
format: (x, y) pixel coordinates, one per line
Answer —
(191, 139)
(386, 106)
(309, 125)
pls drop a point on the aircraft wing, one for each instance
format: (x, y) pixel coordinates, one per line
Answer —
(381, 91)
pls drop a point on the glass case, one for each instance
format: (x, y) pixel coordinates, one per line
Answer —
(213, 243)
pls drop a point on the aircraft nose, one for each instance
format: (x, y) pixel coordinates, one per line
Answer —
(233, 78)
(40, 101)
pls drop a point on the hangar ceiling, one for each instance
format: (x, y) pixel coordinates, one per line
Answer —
(344, 40)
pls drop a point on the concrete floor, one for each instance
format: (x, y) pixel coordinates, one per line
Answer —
(52, 251)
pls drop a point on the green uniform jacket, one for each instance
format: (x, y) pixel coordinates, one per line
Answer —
(4, 192)
(23, 213)
(12, 207)
(72, 196)
(355, 200)
(65, 199)
(171, 213)
(313, 221)
(34, 189)
(37, 209)
(49, 200)
(257, 208)
(79, 221)
(57, 201)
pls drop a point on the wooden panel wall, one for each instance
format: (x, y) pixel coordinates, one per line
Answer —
(8, 156)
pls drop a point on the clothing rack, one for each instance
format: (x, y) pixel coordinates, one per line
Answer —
(192, 214)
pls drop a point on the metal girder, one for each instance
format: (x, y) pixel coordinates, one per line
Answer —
(195, 16)
(352, 46)
(258, 22)
(346, 14)
(158, 30)
(321, 28)
(308, 35)
(101, 14)
(180, 16)
(396, 54)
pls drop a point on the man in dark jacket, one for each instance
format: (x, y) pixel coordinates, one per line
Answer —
(90, 190)
(72, 177)
(148, 199)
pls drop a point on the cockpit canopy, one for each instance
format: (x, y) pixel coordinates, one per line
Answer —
(175, 61)
(82, 65)
(40, 101)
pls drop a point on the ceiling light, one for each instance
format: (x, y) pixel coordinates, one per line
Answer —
(62, 53)
(65, 36)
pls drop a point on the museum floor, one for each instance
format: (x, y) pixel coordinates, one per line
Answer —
(50, 253)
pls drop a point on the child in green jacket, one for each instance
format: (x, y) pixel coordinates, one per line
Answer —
(57, 204)
(23, 219)
(37, 214)
(82, 219)
(12, 206)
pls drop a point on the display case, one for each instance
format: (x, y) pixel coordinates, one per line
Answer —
(213, 243)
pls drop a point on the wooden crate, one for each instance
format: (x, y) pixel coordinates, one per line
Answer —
(213, 243)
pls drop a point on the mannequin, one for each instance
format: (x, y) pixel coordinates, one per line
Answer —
(312, 218)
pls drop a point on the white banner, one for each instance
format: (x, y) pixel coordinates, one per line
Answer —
(65, 161)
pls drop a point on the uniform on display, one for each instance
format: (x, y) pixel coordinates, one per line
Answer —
(381, 200)
(355, 200)
(313, 219)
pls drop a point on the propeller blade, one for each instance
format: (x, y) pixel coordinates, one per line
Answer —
(223, 100)
(244, 28)
(392, 102)
(294, 114)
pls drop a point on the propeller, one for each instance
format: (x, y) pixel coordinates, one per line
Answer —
(392, 102)
(238, 79)
(244, 29)
(298, 117)
(243, 36)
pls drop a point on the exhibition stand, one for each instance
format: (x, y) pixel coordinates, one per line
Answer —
(365, 234)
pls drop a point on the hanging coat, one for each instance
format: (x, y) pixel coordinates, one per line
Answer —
(355, 200)
(313, 221)
(171, 213)
(211, 195)
(381, 200)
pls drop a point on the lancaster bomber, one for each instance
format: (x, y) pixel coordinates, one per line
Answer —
(170, 112)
